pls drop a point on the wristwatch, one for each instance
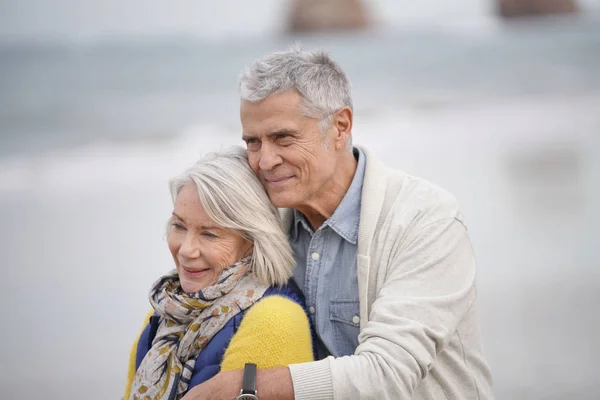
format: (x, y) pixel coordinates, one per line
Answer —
(248, 391)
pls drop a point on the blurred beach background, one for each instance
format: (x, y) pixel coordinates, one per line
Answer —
(102, 102)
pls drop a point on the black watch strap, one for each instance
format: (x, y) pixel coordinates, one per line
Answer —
(249, 385)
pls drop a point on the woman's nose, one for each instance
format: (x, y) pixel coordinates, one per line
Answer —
(190, 247)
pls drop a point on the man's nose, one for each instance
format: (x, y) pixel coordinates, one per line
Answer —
(269, 157)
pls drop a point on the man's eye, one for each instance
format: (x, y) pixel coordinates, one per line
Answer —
(283, 139)
(252, 144)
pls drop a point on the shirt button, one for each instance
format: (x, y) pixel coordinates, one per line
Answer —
(315, 256)
(312, 309)
(356, 319)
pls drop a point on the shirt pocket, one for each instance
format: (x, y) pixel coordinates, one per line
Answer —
(345, 321)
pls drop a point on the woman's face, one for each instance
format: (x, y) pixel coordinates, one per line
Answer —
(200, 248)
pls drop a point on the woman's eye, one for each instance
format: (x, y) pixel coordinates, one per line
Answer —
(177, 226)
(209, 235)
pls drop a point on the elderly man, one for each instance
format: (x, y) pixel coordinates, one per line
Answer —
(383, 258)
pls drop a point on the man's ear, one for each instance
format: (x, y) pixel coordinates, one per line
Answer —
(342, 122)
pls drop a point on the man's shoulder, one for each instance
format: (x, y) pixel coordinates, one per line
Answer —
(416, 201)
(402, 188)
(423, 193)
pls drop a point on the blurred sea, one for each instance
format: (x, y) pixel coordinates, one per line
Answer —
(506, 116)
(54, 96)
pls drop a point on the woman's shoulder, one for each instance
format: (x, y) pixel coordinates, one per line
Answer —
(279, 307)
(273, 332)
(274, 303)
(290, 291)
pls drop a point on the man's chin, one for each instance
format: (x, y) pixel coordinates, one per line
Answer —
(281, 200)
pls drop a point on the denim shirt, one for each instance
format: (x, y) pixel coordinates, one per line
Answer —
(326, 271)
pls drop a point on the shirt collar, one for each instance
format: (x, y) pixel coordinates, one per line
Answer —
(299, 220)
(346, 217)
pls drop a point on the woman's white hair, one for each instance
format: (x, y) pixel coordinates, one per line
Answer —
(320, 81)
(234, 198)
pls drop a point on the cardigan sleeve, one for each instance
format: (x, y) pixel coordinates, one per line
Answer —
(429, 286)
(275, 332)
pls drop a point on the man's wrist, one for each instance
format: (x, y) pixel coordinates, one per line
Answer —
(274, 384)
(248, 390)
(312, 379)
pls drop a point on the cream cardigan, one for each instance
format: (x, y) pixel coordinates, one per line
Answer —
(419, 335)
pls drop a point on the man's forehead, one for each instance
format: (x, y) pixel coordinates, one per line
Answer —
(278, 103)
(258, 125)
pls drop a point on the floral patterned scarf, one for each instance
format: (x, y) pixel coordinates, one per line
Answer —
(187, 323)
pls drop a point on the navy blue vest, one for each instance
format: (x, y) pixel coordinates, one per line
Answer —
(209, 360)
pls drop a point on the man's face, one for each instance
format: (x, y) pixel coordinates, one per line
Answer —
(291, 156)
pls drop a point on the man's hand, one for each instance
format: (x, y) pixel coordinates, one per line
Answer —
(272, 384)
(225, 386)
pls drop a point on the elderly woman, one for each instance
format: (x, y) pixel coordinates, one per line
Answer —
(226, 303)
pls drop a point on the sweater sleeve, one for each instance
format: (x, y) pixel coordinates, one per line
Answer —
(133, 356)
(275, 332)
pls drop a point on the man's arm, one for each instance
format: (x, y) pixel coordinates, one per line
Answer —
(271, 384)
(429, 287)
(274, 332)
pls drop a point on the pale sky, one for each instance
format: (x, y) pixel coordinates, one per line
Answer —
(83, 19)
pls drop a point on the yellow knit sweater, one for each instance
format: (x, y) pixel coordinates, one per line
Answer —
(274, 332)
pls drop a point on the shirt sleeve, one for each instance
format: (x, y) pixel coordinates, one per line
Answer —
(275, 332)
(429, 286)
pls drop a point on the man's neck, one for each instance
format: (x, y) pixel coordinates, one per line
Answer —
(329, 197)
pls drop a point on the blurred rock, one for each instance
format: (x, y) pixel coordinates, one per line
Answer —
(519, 8)
(327, 15)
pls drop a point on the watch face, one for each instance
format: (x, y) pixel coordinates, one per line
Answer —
(246, 397)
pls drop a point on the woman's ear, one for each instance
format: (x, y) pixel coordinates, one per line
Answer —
(249, 248)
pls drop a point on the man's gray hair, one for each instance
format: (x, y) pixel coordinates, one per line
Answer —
(234, 198)
(320, 81)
